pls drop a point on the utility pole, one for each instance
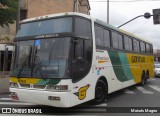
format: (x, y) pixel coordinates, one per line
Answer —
(18, 16)
(108, 11)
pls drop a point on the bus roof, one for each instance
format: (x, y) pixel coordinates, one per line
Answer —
(57, 15)
(85, 16)
(119, 30)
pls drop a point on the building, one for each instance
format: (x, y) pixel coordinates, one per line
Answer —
(6, 32)
(34, 8)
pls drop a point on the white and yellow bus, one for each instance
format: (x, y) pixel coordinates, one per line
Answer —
(66, 59)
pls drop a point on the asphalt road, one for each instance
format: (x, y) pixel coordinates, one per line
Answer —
(135, 98)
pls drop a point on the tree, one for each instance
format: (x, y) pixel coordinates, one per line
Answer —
(8, 9)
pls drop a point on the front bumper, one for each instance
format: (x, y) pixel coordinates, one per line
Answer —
(42, 97)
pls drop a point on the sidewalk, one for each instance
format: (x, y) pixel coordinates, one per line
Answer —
(4, 83)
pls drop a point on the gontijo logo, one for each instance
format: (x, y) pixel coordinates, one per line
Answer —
(137, 59)
(82, 92)
(102, 59)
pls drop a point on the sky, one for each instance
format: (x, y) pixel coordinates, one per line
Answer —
(121, 11)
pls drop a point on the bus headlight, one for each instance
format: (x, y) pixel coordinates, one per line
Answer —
(57, 87)
(15, 85)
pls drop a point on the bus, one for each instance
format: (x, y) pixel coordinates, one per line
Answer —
(66, 59)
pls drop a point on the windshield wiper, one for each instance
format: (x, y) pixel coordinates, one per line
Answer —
(33, 59)
(36, 58)
(49, 58)
(21, 69)
(28, 58)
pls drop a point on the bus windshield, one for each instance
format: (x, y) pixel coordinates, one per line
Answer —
(57, 25)
(47, 58)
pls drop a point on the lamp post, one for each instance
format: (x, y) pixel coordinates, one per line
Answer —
(107, 8)
(18, 16)
(146, 15)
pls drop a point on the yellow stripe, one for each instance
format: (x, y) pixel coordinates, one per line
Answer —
(24, 80)
(102, 61)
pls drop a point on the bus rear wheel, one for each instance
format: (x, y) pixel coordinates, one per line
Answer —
(143, 80)
(100, 91)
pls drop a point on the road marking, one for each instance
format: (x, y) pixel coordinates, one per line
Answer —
(153, 79)
(157, 88)
(143, 90)
(6, 99)
(129, 91)
(103, 104)
(16, 103)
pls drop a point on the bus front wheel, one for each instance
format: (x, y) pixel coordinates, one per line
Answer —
(100, 91)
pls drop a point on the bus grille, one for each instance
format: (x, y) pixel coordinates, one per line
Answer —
(33, 86)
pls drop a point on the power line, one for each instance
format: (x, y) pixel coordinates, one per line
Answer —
(130, 1)
(140, 27)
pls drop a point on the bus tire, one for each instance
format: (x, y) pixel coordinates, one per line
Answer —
(100, 91)
(143, 79)
(147, 76)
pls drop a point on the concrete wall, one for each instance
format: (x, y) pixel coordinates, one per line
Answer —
(7, 33)
(44, 7)
(4, 85)
(84, 7)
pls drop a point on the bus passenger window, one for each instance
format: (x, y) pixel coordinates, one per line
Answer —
(136, 45)
(99, 36)
(114, 40)
(148, 48)
(120, 41)
(128, 43)
(142, 46)
(106, 38)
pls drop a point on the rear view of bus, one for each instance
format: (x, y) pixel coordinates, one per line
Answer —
(52, 54)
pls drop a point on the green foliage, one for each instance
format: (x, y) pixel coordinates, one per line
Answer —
(8, 11)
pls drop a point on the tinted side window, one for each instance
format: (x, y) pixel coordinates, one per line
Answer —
(120, 41)
(99, 35)
(82, 58)
(114, 40)
(78, 46)
(151, 48)
(142, 44)
(106, 38)
(88, 51)
(128, 43)
(82, 28)
(136, 45)
(148, 48)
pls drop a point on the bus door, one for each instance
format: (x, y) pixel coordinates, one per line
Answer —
(81, 64)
